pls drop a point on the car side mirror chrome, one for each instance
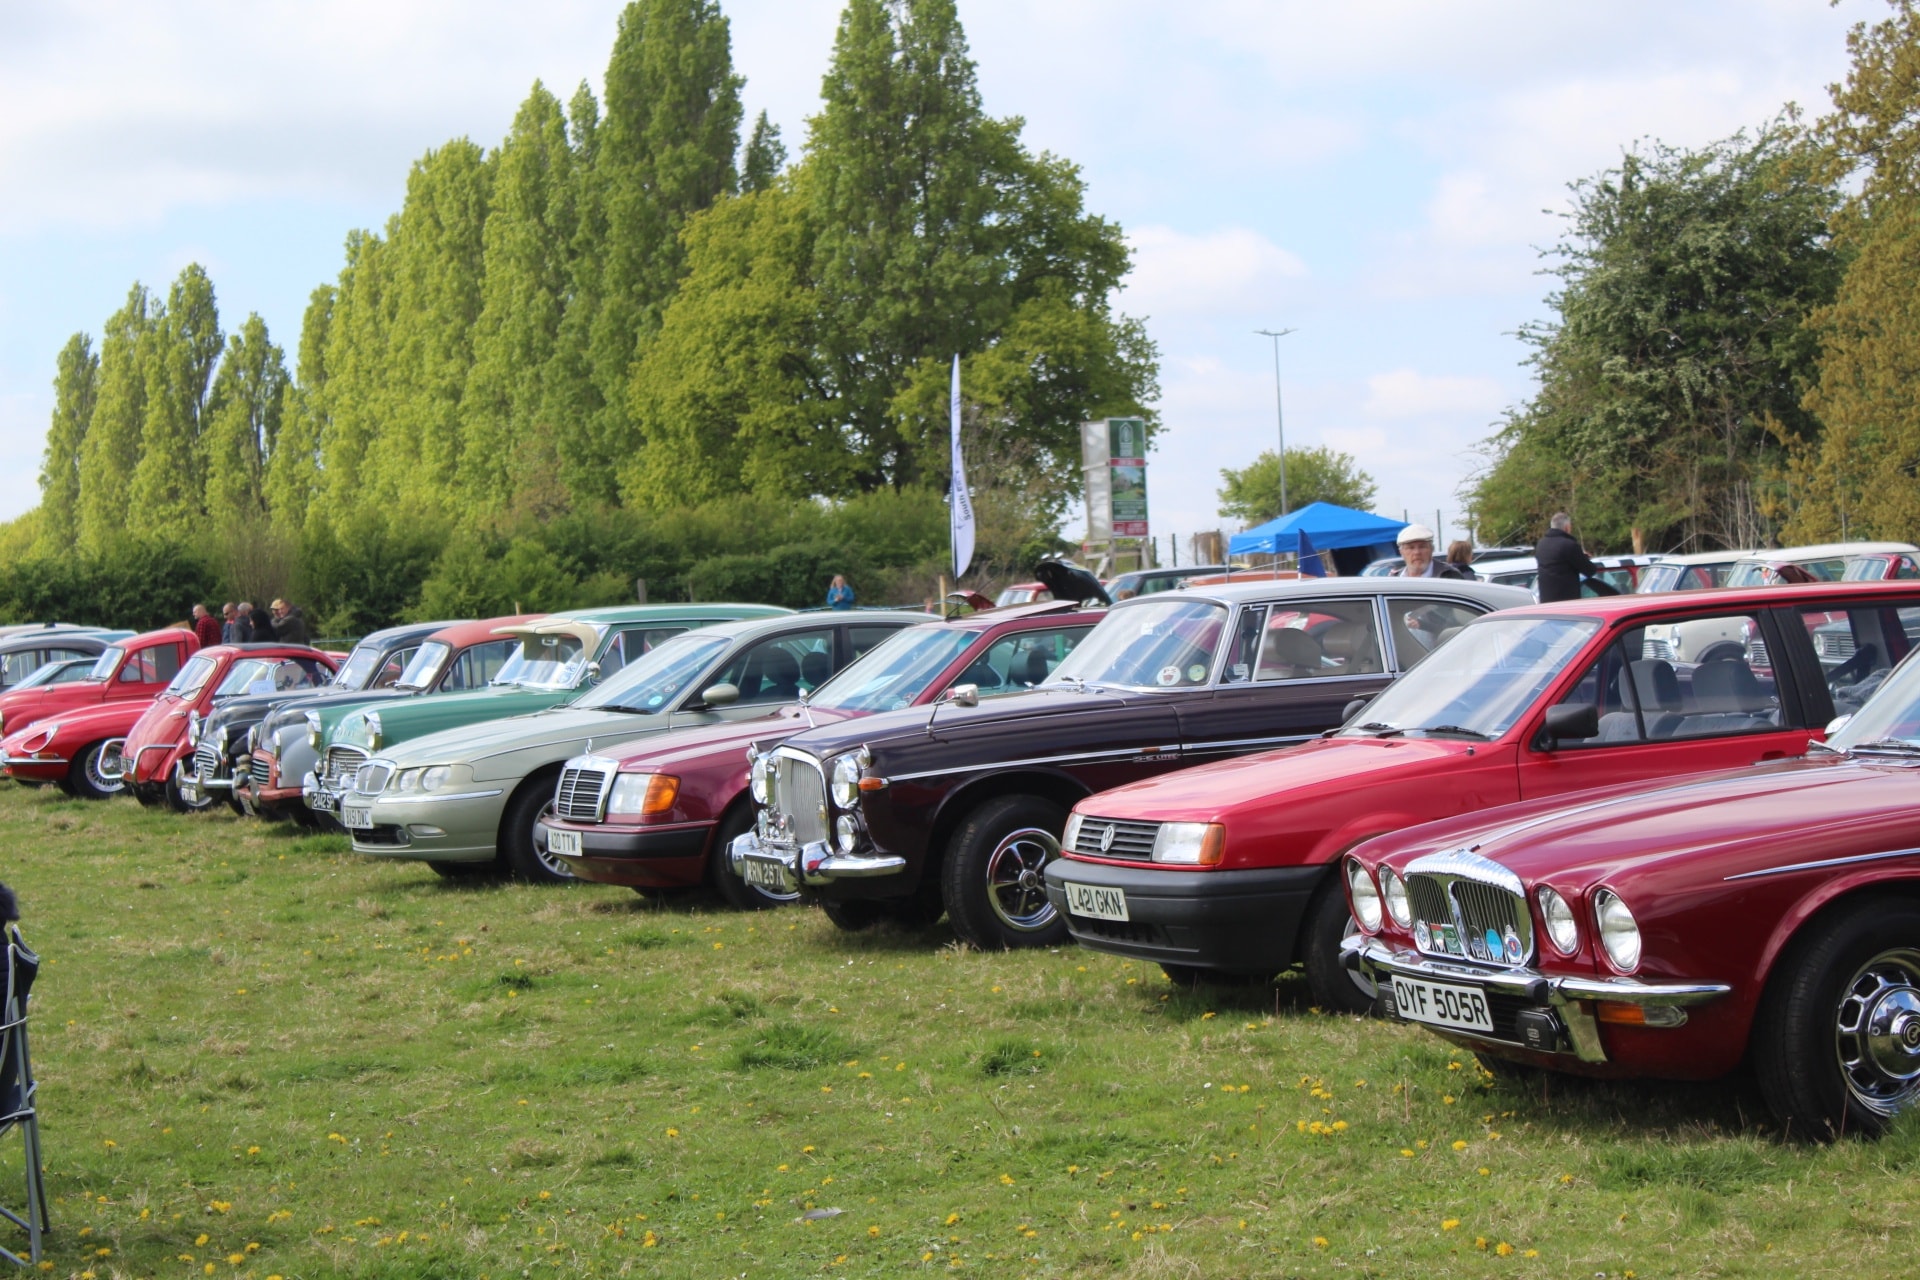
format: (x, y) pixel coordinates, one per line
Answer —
(1838, 723)
(593, 673)
(720, 695)
(1571, 724)
(964, 695)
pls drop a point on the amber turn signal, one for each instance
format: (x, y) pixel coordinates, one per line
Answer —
(662, 791)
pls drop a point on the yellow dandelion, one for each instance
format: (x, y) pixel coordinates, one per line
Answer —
(1006, 1179)
(546, 1195)
(235, 1259)
(1484, 1172)
(110, 1144)
(200, 1241)
(1531, 1253)
(1407, 1152)
(873, 1231)
(1504, 1249)
(1319, 1242)
(1449, 1224)
(953, 1218)
(1459, 1144)
(673, 1133)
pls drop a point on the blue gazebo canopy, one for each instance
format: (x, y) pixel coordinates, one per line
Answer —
(1318, 526)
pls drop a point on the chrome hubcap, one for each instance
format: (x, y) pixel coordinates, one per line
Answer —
(1015, 879)
(553, 865)
(98, 780)
(1877, 1031)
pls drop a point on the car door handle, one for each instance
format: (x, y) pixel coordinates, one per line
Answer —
(1771, 755)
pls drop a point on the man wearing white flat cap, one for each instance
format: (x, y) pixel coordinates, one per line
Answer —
(1416, 548)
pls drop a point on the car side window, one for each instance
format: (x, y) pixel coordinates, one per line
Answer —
(1707, 676)
(1243, 650)
(1623, 692)
(1858, 647)
(632, 643)
(1421, 626)
(1018, 661)
(779, 670)
(1319, 639)
(861, 639)
(391, 669)
(165, 662)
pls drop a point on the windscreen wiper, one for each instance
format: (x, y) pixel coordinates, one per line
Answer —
(1454, 731)
(1380, 729)
(1900, 745)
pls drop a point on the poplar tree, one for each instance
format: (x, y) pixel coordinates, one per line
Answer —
(573, 402)
(76, 386)
(665, 151)
(765, 158)
(111, 449)
(293, 469)
(169, 481)
(244, 414)
(350, 407)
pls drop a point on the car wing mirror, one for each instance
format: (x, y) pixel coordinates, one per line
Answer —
(1571, 724)
(1838, 723)
(593, 673)
(1353, 709)
(720, 695)
(964, 695)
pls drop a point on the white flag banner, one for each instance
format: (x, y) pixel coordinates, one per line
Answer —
(960, 507)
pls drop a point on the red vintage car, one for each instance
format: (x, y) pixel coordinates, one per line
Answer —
(165, 733)
(1768, 915)
(59, 733)
(693, 783)
(1228, 871)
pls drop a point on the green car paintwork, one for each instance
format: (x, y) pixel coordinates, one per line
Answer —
(400, 722)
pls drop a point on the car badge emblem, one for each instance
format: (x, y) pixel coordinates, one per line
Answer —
(1106, 839)
(1514, 952)
(1422, 936)
(1493, 944)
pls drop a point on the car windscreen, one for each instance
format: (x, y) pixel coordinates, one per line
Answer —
(545, 662)
(58, 673)
(896, 671)
(651, 682)
(244, 674)
(1161, 644)
(1481, 681)
(424, 669)
(360, 667)
(193, 677)
(1890, 721)
(105, 665)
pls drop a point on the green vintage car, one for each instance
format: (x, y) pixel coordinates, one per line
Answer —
(559, 656)
(467, 799)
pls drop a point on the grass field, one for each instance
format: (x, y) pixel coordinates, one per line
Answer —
(261, 1055)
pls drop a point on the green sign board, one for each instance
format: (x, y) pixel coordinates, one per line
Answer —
(1127, 467)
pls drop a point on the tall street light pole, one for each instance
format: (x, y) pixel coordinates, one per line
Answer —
(1279, 411)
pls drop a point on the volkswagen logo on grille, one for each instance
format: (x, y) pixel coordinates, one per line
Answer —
(1106, 839)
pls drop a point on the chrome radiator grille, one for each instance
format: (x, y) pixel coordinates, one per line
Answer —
(1469, 907)
(206, 761)
(798, 806)
(581, 793)
(1128, 839)
(371, 779)
(262, 771)
(1833, 645)
(339, 766)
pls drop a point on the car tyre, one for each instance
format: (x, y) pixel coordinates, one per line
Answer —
(1836, 1041)
(856, 916)
(85, 780)
(460, 870)
(1506, 1068)
(180, 804)
(727, 882)
(993, 880)
(525, 856)
(1335, 988)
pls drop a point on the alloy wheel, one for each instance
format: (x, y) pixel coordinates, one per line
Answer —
(1877, 1032)
(1016, 885)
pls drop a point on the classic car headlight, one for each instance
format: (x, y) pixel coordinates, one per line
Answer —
(846, 780)
(847, 832)
(376, 738)
(220, 740)
(38, 741)
(1070, 838)
(1190, 844)
(1366, 898)
(1619, 933)
(647, 794)
(1563, 931)
(314, 736)
(759, 776)
(193, 728)
(1394, 890)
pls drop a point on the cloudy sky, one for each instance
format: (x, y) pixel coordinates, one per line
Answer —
(1378, 176)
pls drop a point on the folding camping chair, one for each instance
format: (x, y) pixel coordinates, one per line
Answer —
(17, 1089)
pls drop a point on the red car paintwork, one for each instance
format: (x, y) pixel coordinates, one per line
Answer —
(23, 707)
(1720, 871)
(674, 849)
(48, 750)
(1289, 814)
(158, 739)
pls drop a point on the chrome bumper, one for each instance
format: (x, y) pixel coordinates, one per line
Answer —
(810, 864)
(6, 760)
(180, 775)
(313, 790)
(1569, 997)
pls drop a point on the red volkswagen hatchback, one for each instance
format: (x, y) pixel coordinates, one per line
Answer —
(1228, 870)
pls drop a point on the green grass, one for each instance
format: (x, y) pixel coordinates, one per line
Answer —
(325, 1065)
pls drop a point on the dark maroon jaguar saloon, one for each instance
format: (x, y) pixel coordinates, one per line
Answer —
(958, 807)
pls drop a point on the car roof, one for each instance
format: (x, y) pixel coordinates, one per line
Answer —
(1706, 557)
(464, 634)
(404, 632)
(779, 624)
(1725, 598)
(1512, 564)
(667, 612)
(28, 640)
(1827, 550)
(1274, 588)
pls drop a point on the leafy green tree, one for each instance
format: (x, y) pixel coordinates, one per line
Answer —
(244, 415)
(765, 158)
(293, 468)
(1678, 357)
(76, 386)
(169, 481)
(1317, 474)
(111, 449)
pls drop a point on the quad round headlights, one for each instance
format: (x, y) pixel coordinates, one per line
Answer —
(846, 781)
(1619, 932)
(1365, 897)
(1394, 890)
(760, 777)
(1563, 930)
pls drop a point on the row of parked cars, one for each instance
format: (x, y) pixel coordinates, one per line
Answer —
(1648, 834)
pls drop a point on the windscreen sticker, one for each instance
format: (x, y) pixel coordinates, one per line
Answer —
(1196, 673)
(1168, 676)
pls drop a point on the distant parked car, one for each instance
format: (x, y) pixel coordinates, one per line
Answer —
(1697, 571)
(60, 672)
(1824, 562)
(1023, 593)
(24, 652)
(1145, 582)
(1882, 566)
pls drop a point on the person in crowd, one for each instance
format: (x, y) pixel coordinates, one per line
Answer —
(1460, 559)
(288, 626)
(229, 623)
(1416, 548)
(1561, 561)
(839, 594)
(259, 625)
(242, 622)
(206, 627)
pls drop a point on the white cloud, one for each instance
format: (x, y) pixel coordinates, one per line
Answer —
(1176, 273)
(1404, 393)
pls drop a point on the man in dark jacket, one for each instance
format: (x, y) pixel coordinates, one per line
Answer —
(1561, 562)
(288, 626)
